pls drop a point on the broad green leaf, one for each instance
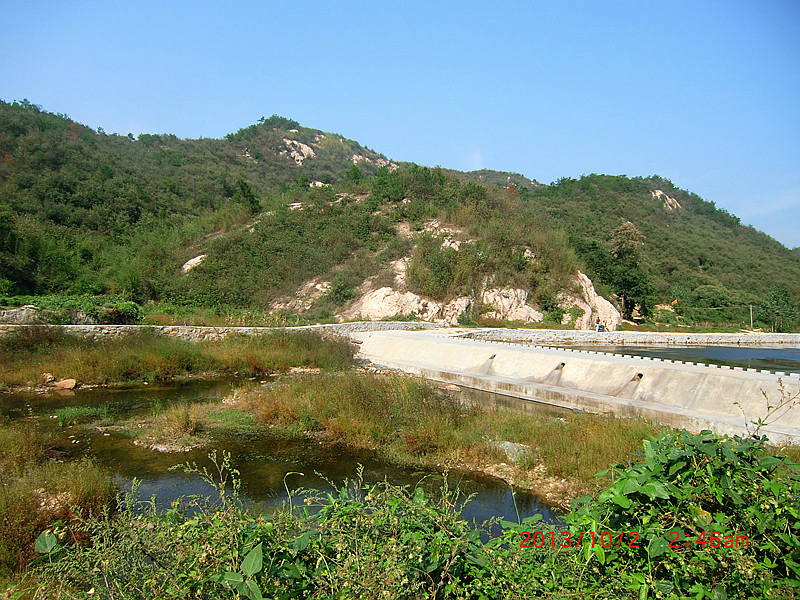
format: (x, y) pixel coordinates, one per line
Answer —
(252, 562)
(509, 524)
(654, 489)
(630, 485)
(768, 462)
(676, 467)
(46, 542)
(300, 543)
(600, 553)
(622, 501)
(532, 519)
(709, 449)
(233, 577)
(719, 593)
(665, 587)
(658, 546)
(729, 454)
(606, 495)
(254, 592)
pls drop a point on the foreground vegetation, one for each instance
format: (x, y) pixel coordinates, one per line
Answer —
(37, 490)
(688, 516)
(734, 507)
(145, 356)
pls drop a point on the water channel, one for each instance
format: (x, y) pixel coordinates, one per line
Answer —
(267, 464)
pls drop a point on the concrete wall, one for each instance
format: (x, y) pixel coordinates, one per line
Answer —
(682, 395)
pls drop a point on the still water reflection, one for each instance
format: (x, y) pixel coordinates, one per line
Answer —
(268, 465)
(780, 359)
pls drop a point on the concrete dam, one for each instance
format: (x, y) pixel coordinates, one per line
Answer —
(682, 395)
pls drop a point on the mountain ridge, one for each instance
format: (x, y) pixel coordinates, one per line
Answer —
(83, 212)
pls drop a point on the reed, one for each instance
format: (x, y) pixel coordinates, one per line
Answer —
(409, 421)
(35, 492)
(147, 356)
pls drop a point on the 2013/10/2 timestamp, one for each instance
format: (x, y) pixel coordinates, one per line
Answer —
(565, 539)
(609, 539)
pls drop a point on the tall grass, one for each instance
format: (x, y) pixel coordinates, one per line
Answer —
(278, 351)
(410, 421)
(147, 356)
(36, 492)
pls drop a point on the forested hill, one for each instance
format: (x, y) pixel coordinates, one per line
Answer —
(691, 247)
(276, 204)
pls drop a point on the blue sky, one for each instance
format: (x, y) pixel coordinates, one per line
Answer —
(704, 93)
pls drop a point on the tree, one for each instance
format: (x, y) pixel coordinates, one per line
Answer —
(354, 175)
(632, 283)
(247, 196)
(778, 309)
(626, 241)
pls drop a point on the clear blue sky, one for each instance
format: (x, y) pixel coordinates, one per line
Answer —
(704, 93)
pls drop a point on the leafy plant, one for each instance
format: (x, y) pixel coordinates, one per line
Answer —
(711, 514)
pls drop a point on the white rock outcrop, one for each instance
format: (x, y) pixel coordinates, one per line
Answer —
(510, 304)
(305, 297)
(387, 302)
(593, 305)
(298, 151)
(669, 202)
(192, 263)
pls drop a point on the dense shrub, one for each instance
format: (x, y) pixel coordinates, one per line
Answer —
(383, 541)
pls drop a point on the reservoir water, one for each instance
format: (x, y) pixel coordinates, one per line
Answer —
(781, 359)
(268, 465)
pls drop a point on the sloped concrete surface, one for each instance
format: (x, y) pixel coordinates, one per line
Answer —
(678, 394)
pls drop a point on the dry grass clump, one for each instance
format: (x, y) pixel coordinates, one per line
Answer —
(36, 492)
(409, 421)
(577, 445)
(280, 350)
(360, 410)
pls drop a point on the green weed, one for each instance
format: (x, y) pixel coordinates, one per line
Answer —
(384, 541)
(72, 415)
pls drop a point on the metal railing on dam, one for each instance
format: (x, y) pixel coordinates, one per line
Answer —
(694, 396)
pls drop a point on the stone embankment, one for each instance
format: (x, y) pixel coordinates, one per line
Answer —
(563, 337)
(556, 337)
(198, 333)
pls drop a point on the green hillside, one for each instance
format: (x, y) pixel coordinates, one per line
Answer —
(692, 251)
(84, 213)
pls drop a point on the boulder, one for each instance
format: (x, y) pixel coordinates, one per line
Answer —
(24, 315)
(192, 263)
(387, 302)
(454, 309)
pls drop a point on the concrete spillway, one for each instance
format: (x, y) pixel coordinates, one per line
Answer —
(681, 395)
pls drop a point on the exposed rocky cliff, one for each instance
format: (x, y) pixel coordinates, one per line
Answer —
(507, 304)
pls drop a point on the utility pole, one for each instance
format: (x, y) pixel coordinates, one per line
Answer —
(751, 317)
